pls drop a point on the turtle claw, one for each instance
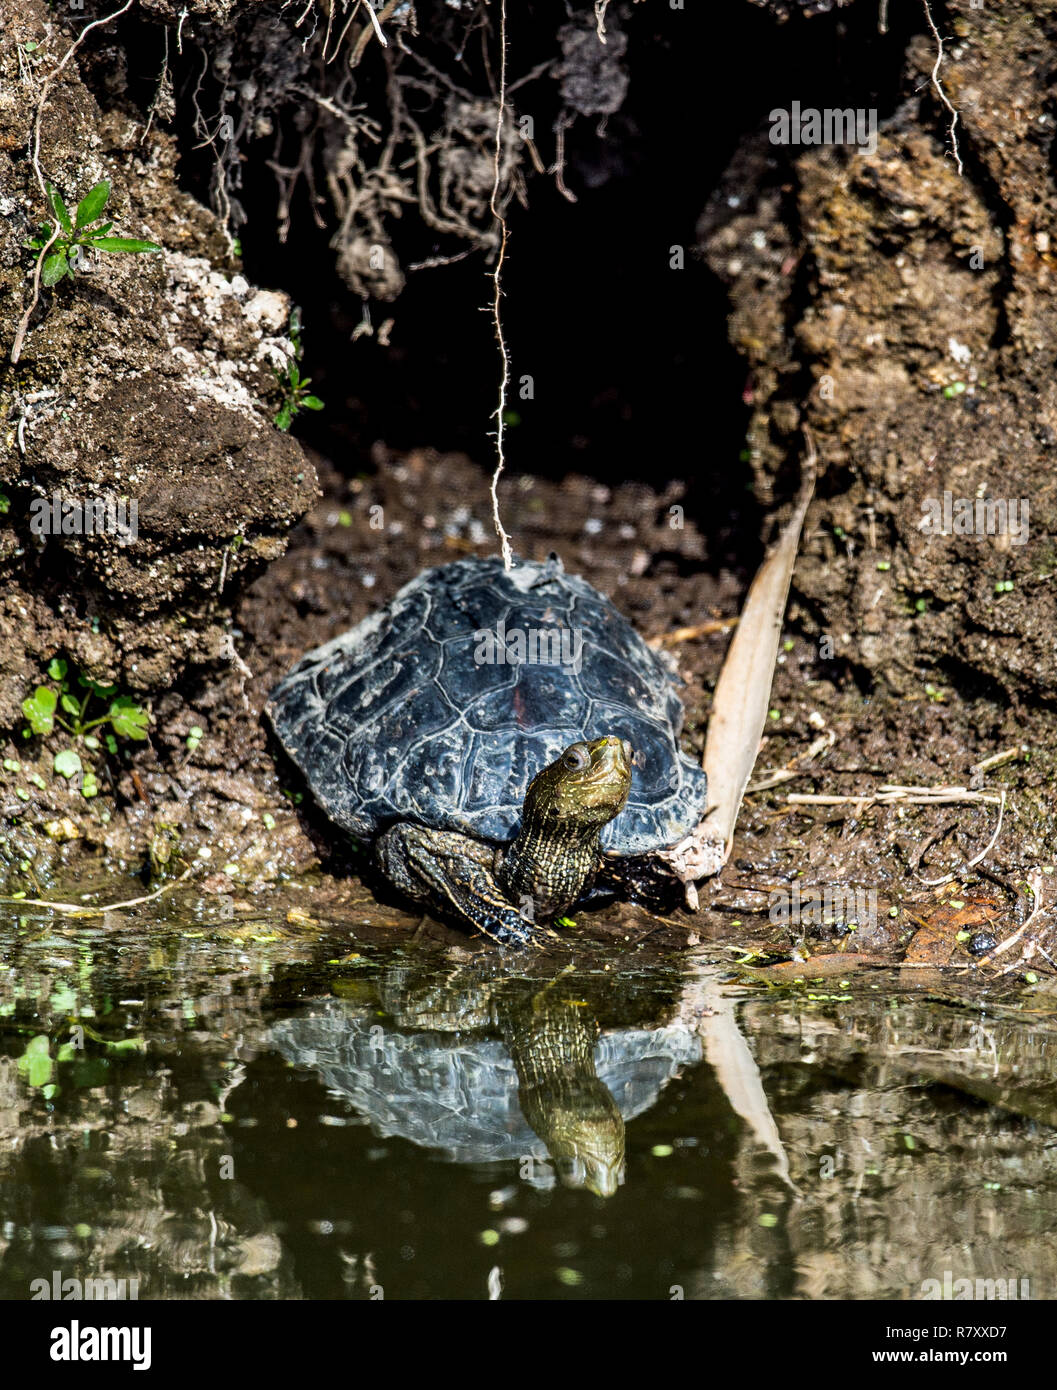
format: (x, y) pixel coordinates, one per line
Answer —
(452, 871)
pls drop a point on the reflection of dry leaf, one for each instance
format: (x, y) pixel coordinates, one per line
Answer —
(820, 967)
(735, 1067)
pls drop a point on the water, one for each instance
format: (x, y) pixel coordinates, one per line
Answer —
(266, 1108)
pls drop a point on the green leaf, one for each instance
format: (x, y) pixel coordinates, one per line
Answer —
(39, 709)
(89, 786)
(35, 1064)
(311, 402)
(103, 691)
(70, 704)
(58, 207)
(120, 243)
(283, 419)
(293, 375)
(57, 668)
(67, 763)
(91, 206)
(55, 267)
(111, 743)
(129, 719)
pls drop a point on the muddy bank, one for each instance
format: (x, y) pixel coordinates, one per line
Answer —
(899, 307)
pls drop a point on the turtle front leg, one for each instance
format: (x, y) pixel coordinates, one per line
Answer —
(447, 870)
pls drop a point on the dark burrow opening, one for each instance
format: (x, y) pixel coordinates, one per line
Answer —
(632, 376)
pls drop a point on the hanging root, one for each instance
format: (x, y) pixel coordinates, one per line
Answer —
(497, 317)
(939, 88)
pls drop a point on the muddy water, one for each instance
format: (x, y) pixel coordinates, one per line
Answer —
(275, 1109)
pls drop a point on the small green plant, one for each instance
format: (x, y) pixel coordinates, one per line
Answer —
(126, 718)
(5, 502)
(123, 716)
(84, 231)
(296, 395)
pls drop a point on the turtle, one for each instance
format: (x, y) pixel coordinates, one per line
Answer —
(503, 737)
(487, 1070)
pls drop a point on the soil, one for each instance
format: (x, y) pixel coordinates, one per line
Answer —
(901, 309)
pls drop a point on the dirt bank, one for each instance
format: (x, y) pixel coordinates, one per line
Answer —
(901, 307)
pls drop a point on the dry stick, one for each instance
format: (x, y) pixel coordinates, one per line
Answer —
(600, 19)
(23, 323)
(999, 759)
(1035, 880)
(972, 863)
(690, 634)
(497, 318)
(939, 86)
(79, 910)
(888, 796)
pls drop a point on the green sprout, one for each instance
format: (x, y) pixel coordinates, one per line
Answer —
(5, 502)
(296, 395)
(68, 238)
(125, 718)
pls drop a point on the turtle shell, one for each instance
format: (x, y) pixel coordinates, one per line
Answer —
(441, 707)
(458, 1092)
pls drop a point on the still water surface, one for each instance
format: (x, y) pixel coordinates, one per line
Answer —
(257, 1110)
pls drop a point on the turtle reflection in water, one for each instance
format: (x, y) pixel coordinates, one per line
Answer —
(476, 1067)
(491, 783)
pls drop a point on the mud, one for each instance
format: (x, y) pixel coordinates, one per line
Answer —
(901, 309)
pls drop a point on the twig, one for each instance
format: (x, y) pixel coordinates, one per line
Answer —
(600, 19)
(998, 759)
(23, 323)
(690, 634)
(972, 863)
(1035, 879)
(909, 796)
(497, 318)
(939, 86)
(79, 910)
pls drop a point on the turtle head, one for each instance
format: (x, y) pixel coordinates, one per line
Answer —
(587, 786)
(586, 1138)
